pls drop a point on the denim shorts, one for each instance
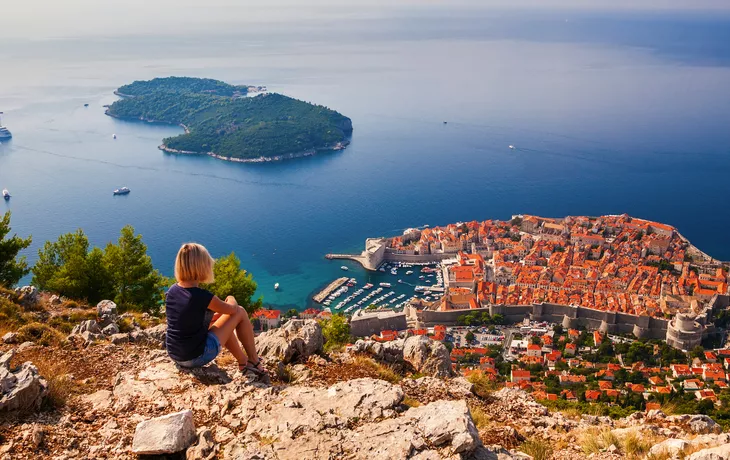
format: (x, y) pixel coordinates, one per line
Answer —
(212, 348)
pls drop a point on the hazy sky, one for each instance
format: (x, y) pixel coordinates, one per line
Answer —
(54, 18)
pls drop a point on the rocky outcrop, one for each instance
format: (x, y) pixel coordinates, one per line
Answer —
(27, 295)
(10, 337)
(359, 419)
(86, 326)
(296, 340)
(671, 447)
(106, 313)
(432, 389)
(714, 453)
(427, 356)
(421, 353)
(164, 435)
(21, 389)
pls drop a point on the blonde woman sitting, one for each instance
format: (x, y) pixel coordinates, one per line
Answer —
(198, 322)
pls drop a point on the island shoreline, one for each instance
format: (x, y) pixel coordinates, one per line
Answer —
(342, 145)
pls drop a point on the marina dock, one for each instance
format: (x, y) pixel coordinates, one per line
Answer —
(333, 286)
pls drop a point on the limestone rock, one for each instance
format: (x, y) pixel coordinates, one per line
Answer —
(423, 354)
(668, 447)
(427, 356)
(111, 329)
(696, 423)
(106, 312)
(205, 448)
(714, 453)
(86, 326)
(297, 339)
(27, 295)
(157, 333)
(54, 300)
(118, 339)
(164, 435)
(22, 388)
(10, 337)
(98, 401)
(25, 346)
(445, 422)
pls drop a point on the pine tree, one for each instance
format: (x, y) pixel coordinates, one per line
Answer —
(62, 266)
(12, 267)
(136, 283)
(231, 279)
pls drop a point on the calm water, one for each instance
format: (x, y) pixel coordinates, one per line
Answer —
(623, 113)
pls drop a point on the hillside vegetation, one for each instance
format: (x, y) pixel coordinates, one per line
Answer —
(222, 122)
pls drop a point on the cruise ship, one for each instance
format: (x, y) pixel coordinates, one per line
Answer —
(4, 132)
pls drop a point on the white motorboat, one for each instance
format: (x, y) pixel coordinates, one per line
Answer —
(122, 191)
(4, 132)
(276, 286)
(344, 268)
(6, 194)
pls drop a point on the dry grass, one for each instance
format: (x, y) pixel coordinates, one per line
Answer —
(538, 449)
(383, 372)
(41, 334)
(56, 373)
(266, 440)
(633, 445)
(669, 408)
(410, 402)
(480, 418)
(483, 386)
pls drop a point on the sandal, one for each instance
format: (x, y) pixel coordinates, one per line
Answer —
(255, 367)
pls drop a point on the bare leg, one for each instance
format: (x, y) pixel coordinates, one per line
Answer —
(244, 331)
(224, 328)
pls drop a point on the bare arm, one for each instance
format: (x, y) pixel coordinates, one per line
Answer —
(224, 308)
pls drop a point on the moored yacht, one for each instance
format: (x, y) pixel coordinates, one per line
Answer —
(6, 194)
(4, 132)
(276, 286)
(122, 191)
(344, 268)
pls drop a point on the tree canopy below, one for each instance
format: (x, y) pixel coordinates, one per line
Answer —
(222, 121)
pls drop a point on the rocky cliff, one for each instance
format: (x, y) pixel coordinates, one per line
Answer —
(123, 398)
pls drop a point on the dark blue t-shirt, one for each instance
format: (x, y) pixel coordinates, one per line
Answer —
(188, 319)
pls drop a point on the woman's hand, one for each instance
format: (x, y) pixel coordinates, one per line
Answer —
(215, 317)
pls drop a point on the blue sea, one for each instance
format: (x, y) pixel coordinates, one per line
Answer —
(609, 113)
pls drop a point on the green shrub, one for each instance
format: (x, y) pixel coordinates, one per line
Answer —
(336, 331)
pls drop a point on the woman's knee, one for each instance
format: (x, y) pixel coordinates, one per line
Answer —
(242, 314)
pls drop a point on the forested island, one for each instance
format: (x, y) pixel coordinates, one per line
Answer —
(220, 120)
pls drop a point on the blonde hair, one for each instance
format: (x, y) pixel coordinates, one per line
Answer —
(194, 263)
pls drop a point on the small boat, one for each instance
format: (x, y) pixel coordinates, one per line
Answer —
(122, 191)
(276, 286)
(6, 194)
(86, 105)
(511, 147)
(114, 136)
(409, 272)
(385, 285)
(344, 268)
(444, 122)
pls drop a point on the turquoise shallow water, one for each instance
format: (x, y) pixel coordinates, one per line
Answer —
(609, 115)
